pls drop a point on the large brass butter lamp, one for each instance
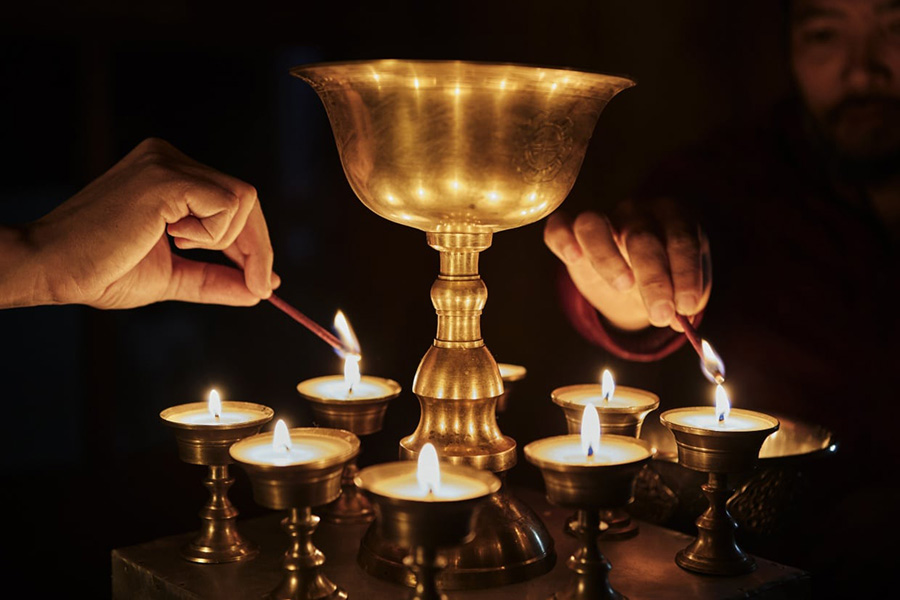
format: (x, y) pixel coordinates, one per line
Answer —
(461, 150)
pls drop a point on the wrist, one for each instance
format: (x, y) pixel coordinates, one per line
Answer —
(23, 277)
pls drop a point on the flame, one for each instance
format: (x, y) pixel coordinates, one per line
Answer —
(723, 405)
(351, 371)
(214, 404)
(607, 385)
(428, 470)
(711, 364)
(281, 441)
(590, 430)
(345, 332)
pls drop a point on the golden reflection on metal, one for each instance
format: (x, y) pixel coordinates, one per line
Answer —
(512, 138)
(298, 488)
(718, 453)
(219, 540)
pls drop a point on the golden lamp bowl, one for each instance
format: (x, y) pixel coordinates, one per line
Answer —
(461, 147)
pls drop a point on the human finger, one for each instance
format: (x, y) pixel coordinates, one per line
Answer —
(253, 251)
(595, 235)
(559, 237)
(207, 283)
(651, 271)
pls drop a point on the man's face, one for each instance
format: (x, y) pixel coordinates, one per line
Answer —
(846, 59)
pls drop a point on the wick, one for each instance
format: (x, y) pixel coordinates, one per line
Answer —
(590, 451)
(721, 418)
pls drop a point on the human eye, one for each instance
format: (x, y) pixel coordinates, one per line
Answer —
(819, 34)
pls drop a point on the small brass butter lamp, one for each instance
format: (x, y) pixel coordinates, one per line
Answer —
(719, 441)
(511, 375)
(589, 472)
(424, 507)
(622, 411)
(461, 150)
(204, 431)
(297, 470)
(356, 403)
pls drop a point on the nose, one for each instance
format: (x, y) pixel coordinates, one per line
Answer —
(867, 69)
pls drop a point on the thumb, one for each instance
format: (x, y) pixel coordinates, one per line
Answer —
(207, 283)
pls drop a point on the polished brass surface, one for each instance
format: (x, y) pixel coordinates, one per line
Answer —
(511, 544)
(460, 146)
(510, 375)
(461, 150)
(589, 489)
(361, 417)
(619, 420)
(208, 445)
(219, 540)
(718, 453)
(766, 498)
(299, 488)
(421, 528)
(313, 483)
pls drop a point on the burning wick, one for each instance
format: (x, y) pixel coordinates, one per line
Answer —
(723, 404)
(281, 440)
(607, 385)
(351, 371)
(428, 470)
(215, 404)
(590, 430)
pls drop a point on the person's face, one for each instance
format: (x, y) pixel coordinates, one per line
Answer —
(846, 60)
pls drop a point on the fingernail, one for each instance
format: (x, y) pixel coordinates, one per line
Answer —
(571, 253)
(624, 282)
(661, 313)
(687, 303)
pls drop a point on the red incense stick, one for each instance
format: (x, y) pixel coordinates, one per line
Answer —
(691, 334)
(298, 316)
(317, 329)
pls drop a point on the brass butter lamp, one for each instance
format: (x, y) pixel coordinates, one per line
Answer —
(461, 150)
(204, 431)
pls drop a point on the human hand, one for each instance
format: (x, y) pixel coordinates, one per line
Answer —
(637, 267)
(108, 247)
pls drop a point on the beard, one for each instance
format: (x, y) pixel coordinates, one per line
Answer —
(863, 135)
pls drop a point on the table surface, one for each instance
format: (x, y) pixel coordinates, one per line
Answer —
(643, 567)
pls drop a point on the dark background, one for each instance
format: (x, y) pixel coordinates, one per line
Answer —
(88, 465)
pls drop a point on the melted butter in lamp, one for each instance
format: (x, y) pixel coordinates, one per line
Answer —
(589, 448)
(214, 412)
(721, 417)
(605, 395)
(427, 482)
(282, 449)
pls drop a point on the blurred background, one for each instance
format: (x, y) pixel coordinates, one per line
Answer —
(88, 464)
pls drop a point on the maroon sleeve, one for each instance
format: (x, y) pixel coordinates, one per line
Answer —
(646, 345)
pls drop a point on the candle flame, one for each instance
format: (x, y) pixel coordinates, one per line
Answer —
(607, 385)
(428, 471)
(351, 371)
(723, 404)
(590, 430)
(214, 404)
(712, 366)
(281, 440)
(346, 334)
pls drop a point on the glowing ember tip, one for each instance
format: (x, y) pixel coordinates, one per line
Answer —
(346, 334)
(712, 366)
(590, 430)
(428, 471)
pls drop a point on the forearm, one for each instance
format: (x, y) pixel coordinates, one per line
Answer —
(645, 345)
(23, 279)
